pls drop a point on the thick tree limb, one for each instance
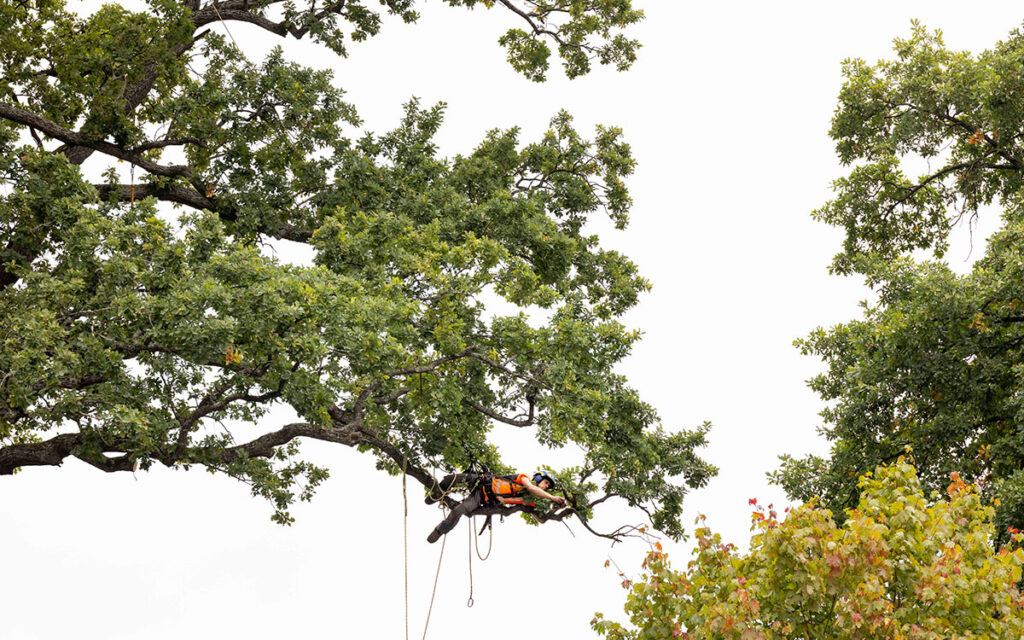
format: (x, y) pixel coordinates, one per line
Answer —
(239, 12)
(177, 194)
(54, 451)
(134, 94)
(192, 197)
(48, 452)
(54, 130)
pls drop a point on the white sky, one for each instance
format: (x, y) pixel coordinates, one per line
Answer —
(727, 112)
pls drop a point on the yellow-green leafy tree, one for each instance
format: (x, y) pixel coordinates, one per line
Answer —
(900, 567)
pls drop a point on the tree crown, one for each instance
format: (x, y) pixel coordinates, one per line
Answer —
(135, 337)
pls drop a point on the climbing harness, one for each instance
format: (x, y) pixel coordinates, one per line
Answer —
(497, 490)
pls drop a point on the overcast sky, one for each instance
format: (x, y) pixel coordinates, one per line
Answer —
(727, 111)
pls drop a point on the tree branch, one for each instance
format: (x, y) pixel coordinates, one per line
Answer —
(47, 452)
(537, 28)
(239, 12)
(961, 124)
(178, 194)
(515, 422)
(168, 142)
(134, 94)
(54, 130)
(360, 403)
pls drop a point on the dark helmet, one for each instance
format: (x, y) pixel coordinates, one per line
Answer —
(544, 474)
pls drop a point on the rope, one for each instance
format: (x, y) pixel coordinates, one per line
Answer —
(474, 541)
(444, 492)
(405, 545)
(440, 557)
(444, 540)
(469, 603)
(225, 24)
(437, 575)
(490, 541)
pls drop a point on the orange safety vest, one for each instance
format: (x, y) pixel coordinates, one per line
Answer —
(507, 489)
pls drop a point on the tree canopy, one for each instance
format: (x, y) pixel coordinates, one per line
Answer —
(134, 334)
(901, 567)
(935, 361)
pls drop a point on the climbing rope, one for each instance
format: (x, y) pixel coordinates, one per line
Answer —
(437, 575)
(490, 539)
(473, 537)
(405, 545)
(474, 540)
(469, 603)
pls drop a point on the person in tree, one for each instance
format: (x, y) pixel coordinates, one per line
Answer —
(487, 490)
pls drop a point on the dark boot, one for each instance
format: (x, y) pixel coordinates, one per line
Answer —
(446, 525)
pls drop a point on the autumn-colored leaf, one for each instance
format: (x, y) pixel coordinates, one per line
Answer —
(232, 357)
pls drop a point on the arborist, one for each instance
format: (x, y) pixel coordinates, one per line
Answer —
(486, 490)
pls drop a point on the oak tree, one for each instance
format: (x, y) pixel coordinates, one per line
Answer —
(143, 321)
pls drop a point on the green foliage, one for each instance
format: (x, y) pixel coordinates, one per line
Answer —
(934, 362)
(933, 365)
(901, 568)
(952, 109)
(136, 334)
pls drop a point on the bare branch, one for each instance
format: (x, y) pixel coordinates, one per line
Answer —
(515, 422)
(515, 374)
(168, 142)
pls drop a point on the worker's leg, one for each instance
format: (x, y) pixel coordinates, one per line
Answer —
(436, 493)
(465, 508)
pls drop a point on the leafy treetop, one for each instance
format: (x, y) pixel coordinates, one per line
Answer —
(952, 112)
